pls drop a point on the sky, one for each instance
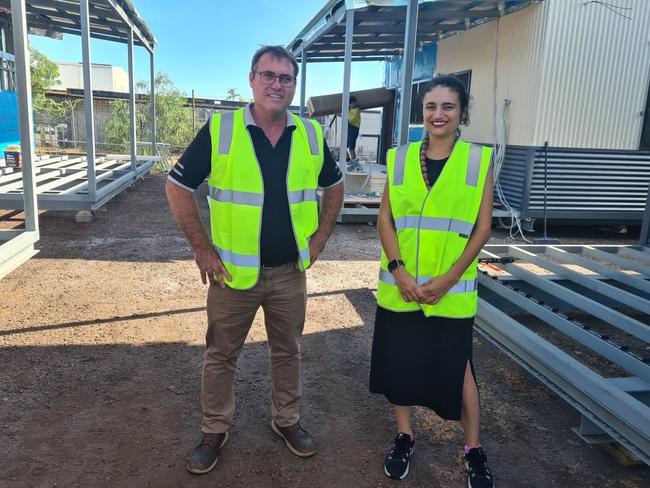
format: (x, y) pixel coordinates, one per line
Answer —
(207, 45)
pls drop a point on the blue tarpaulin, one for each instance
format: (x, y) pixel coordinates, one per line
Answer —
(9, 131)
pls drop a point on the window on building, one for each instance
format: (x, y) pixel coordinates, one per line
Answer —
(416, 102)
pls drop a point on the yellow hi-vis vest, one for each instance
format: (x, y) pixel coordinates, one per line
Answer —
(236, 193)
(433, 227)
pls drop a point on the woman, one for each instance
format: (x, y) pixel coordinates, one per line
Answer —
(435, 216)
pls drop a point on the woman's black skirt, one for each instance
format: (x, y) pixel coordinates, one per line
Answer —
(419, 360)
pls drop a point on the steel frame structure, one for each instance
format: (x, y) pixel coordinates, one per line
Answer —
(359, 31)
(612, 409)
(113, 20)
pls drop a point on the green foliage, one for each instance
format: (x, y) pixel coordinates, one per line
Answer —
(233, 95)
(44, 72)
(44, 75)
(173, 117)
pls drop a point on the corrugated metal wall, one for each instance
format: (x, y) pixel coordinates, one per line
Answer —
(577, 75)
(595, 77)
(515, 175)
(588, 185)
(582, 184)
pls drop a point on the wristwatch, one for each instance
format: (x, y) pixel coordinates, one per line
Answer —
(394, 264)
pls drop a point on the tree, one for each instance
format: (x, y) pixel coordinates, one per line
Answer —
(44, 74)
(173, 117)
(233, 95)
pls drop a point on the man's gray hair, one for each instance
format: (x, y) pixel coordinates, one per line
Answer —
(278, 52)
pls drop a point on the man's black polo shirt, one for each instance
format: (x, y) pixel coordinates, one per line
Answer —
(277, 242)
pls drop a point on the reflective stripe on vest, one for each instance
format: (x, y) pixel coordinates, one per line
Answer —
(433, 226)
(225, 132)
(302, 196)
(400, 162)
(462, 286)
(226, 129)
(237, 259)
(241, 197)
(434, 223)
(311, 136)
(304, 254)
(236, 193)
(473, 166)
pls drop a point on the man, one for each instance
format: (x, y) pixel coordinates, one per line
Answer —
(354, 124)
(264, 166)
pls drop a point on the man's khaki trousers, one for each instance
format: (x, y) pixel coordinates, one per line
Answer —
(282, 294)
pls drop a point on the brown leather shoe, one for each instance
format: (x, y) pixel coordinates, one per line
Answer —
(296, 438)
(205, 455)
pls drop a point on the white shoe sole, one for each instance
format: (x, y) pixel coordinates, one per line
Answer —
(211, 467)
(289, 446)
(469, 483)
(401, 477)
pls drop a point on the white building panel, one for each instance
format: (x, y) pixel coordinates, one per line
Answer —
(105, 77)
(521, 37)
(595, 77)
(576, 74)
(473, 50)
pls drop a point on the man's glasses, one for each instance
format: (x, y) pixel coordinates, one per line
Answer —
(268, 77)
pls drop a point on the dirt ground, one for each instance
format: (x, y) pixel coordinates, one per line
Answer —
(101, 344)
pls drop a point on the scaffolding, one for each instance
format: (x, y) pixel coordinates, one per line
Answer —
(57, 182)
(363, 30)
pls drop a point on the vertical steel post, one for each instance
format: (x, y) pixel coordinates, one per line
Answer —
(193, 115)
(132, 127)
(410, 37)
(24, 93)
(88, 98)
(303, 80)
(152, 75)
(345, 101)
(644, 238)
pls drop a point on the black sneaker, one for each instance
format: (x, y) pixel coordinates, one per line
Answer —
(478, 470)
(396, 463)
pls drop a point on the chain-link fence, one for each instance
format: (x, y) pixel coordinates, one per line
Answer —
(60, 124)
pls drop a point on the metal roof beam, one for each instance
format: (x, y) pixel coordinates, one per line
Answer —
(65, 22)
(125, 17)
(105, 18)
(94, 9)
(332, 23)
(399, 29)
(94, 35)
(97, 20)
(340, 59)
(375, 38)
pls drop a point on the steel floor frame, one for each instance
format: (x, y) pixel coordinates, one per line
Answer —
(62, 181)
(612, 409)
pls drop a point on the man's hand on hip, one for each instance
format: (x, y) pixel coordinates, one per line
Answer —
(316, 246)
(211, 267)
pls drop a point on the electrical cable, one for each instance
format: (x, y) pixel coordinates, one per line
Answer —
(499, 149)
(611, 7)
